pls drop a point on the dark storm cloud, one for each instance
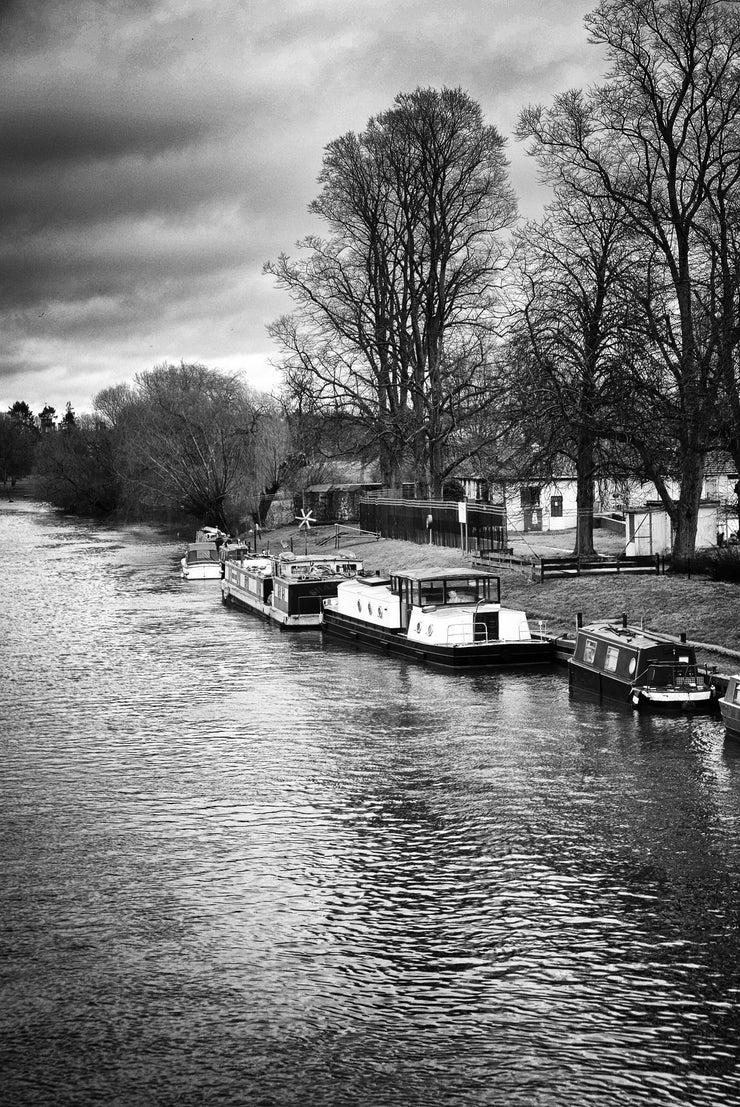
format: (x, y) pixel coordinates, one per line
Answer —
(154, 154)
(78, 132)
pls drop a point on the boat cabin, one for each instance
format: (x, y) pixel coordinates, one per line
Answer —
(631, 656)
(199, 552)
(432, 607)
(301, 582)
(440, 587)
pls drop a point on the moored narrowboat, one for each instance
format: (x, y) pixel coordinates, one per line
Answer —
(288, 588)
(301, 583)
(632, 666)
(247, 582)
(451, 618)
(729, 706)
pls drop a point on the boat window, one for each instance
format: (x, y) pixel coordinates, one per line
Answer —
(589, 651)
(612, 657)
(431, 592)
(462, 591)
(736, 697)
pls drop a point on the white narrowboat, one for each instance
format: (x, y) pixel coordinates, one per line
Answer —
(451, 618)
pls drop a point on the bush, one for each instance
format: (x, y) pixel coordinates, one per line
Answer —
(722, 563)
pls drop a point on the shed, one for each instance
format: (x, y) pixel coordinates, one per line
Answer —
(336, 503)
(649, 528)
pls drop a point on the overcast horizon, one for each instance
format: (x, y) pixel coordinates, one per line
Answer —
(157, 154)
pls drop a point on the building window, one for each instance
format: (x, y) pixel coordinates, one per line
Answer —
(530, 497)
(556, 507)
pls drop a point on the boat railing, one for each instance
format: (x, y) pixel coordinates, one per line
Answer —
(461, 634)
(669, 674)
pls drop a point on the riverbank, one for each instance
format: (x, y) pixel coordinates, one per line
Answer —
(708, 612)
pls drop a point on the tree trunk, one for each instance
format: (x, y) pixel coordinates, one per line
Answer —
(687, 508)
(585, 498)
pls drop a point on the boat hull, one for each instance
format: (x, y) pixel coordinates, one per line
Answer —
(209, 571)
(244, 600)
(602, 687)
(514, 654)
(729, 707)
(233, 593)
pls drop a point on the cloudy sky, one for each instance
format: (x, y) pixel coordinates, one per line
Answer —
(155, 153)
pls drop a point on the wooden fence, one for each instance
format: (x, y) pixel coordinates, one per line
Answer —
(577, 566)
(436, 522)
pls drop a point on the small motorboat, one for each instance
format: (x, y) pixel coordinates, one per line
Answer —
(729, 706)
(650, 671)
(202, 561)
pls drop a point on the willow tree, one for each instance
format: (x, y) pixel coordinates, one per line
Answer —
(189, 438)
(660, 139)
(391, 328)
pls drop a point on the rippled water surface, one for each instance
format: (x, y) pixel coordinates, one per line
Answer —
(241, 866)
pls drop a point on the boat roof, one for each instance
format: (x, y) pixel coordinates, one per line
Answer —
(442, 574)
(632, 636)
(325, 555)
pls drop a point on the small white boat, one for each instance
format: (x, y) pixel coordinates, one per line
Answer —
(202, 561)
(729, 706)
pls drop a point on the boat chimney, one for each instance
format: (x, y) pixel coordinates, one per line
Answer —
(624, 618)
(579, 619)
(683, 637)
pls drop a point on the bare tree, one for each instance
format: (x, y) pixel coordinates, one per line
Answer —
(573, 326)
(393, 313)
(660, 139)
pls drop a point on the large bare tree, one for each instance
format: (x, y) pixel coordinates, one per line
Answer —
(573, 340)
(392, 322)
(660, 137)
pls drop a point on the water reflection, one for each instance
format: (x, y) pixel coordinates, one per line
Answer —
(245, 866)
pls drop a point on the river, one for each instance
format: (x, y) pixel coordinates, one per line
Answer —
(244, 866)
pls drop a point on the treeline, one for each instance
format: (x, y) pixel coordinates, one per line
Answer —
(435, 335)
(601, 340)
(182, 440)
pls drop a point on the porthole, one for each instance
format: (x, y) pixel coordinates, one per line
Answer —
(359, 605)
(418, 628)
(380, 612)
(632, 666)
(369, 609)
(430, 630)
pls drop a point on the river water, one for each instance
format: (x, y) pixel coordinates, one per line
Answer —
(241, 866)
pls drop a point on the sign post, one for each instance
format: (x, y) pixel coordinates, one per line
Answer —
(462, 515)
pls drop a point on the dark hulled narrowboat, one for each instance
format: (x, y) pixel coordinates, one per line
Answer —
(628, 665)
